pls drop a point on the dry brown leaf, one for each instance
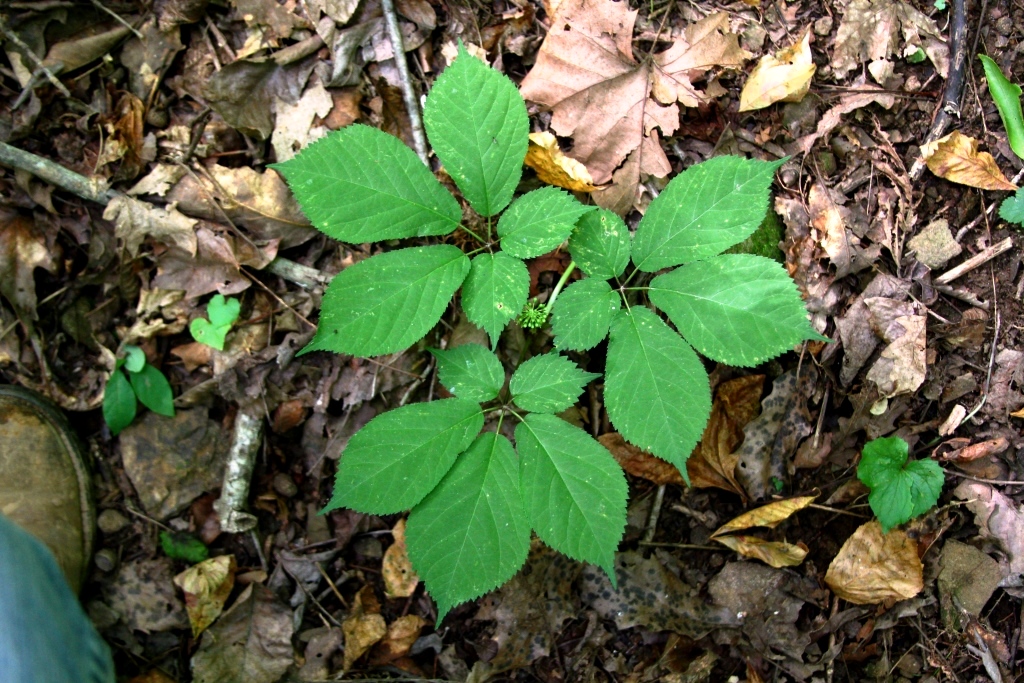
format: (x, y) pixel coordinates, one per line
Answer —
(134, 220)
(862, 96)
(713, 462)
(782, 77)
(873, 567)
(554, 167)
(22, 250)
(400, 579)
(640, 463)
(364, 626)
(610, 104)
(776, 554)
(902, 366)
(870, 32)
(206, 586)
(402, 633)
(770, 515)
(957, 159)
(1001, 519)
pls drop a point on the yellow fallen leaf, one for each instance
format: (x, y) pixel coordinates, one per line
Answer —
(873, 567)
(956, 158)
(400, 578)
(769, 515)
(782, 77)
(363, 628)
(206, 586)
(402, 633)
(1019, 413)
(774, 553)
(553, 167)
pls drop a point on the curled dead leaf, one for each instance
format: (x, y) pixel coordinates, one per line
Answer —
(206, 586)
(402, 633)
(364, 626)
(873, 567)
(400, 579)
(554, 167)
(640, 463)
(782, 77)
(770, 515)
(956, 158)
(776, 554)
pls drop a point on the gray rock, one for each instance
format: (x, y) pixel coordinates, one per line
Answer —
(111, 521)
(935, 245)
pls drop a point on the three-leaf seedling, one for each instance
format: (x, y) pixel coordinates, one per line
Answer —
(143, 382)
(474, 496)
(900, 489)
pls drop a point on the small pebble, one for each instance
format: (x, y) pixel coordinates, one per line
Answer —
(285, 485)
(111, 521)
(105, 560)
(823, 26)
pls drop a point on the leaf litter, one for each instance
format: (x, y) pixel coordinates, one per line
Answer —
(207, 215)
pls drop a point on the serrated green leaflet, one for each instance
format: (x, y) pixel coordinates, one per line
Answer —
(153, 390)
(477, 123)
(539, 221)
(656, 389)
(401, 455)
(703, 211)
(1012, 208)
(900, 490)
(574, 491)
(737, 309)
(470, 371)
(583, 313)
(600, 244)
(389, 301)
(548, 384)
(360, 184)
(471, 534)
(119, 403)
(495, 291)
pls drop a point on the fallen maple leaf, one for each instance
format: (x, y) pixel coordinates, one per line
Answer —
(782, 77)
(956, 158)
(555, 168)
(873, 567)
(612, 105)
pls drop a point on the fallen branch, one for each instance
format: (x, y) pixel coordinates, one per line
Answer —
(982, 257)
(234, 496)
(419, 140)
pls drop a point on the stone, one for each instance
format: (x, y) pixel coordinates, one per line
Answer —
(967, 579)
(285, 485)
(935, 245)
(111, 521)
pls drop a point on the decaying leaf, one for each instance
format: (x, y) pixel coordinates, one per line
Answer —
(640, 463)
(773, 553)
(244, 92)
(861, 96)
(402, 633)
(870, 31)
(134, 220)
(782, 77)
(770, 515)
(554, 167)
(293, 127)
(400, 579)
(250, 643)
(1001, 520)
(956, 158)
(363, 627)
(873, 567)
(22, 250)
(713, 462)
(831, 221)
(206, 586)
(902, 366)
(610, 104)
(214, 266)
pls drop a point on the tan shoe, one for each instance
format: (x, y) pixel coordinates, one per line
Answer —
(44, 483)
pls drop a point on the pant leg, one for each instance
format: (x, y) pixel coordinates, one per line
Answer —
(45, 635)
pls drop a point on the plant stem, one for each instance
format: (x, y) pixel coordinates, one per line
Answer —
(558, 286)
(412, 105)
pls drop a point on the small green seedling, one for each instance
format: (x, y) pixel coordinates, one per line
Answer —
(900, 490)
(143, 381)
(474, 496)
(1006, 95)
(222, 313)
(183, 546)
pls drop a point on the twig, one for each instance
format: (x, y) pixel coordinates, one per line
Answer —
(963, 295)
(950, 107)
(419, 140)
(988, 376)
(34, 58)
(983, 256)
(117, 17)
(652, 520)
(245, 441)
(1001, 482)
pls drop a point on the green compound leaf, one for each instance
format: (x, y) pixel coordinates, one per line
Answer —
(738, 309)
(548, 384)
(471, 534)
(574, 491)
(401, 455)
(495, 292)
(477, 123)
(470, 371)
(1006, 94)
(119, 404)
(360, 184)
(539, 221)
(153, 390)
(1012, 208)
(656, 389)
(703, 211)
(900, 490)
(389, 301)
(583, 313)
(222, 315)
(600, 244)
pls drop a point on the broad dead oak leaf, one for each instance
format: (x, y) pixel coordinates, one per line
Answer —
(957, 158)
(611, 104)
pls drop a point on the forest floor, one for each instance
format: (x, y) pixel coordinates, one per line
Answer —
(183, 104)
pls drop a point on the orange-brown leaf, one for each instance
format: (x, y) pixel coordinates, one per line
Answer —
(640, 463)
(956, 158)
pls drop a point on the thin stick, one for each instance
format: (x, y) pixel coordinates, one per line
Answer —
(94, 190)
(419, 140)
(1001, 482)
(117, 17)
(652, 520)
(32, 57)
(983, 256)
